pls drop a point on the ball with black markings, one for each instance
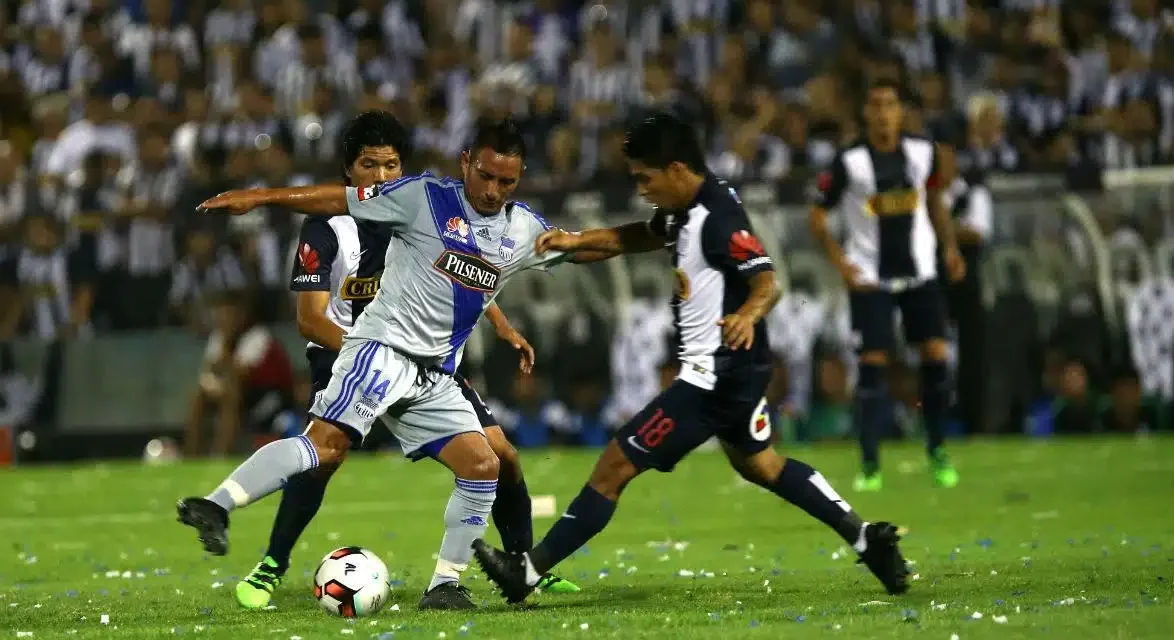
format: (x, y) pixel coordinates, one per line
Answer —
(351, 582)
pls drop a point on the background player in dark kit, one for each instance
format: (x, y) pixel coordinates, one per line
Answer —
(888, 190)
(373, 148)
(726, 285)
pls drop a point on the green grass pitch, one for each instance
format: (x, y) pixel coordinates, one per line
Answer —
(1061, 539)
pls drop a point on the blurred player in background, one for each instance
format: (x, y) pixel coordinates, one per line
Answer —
(888, 189)
(726, 284)
(453, 247)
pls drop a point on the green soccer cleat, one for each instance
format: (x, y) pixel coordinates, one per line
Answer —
(551, 583)
(256, 590)
(868, 482)
(944, 474)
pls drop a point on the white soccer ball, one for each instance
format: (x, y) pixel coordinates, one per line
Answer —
(351, 582)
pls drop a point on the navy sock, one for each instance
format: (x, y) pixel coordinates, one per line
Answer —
(511, 516)
(300, 501)
(871, 412)
(807, 489)
(588, 514)
(935, 404)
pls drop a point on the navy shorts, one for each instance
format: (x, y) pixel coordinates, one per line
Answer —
(923, 316)
(684, 416)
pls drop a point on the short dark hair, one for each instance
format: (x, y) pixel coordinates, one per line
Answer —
(886, 83)
(373, 129)
(662, 139)
(501, 136)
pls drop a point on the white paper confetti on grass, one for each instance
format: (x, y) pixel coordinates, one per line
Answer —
(24, 634)
(977, 615)
(685, 573)
(394, 607)
(347, 632)
(217, 585)
(584, 626)
(1000, 619)
(953, 636)
(105, 619)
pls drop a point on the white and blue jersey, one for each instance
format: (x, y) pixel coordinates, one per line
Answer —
(445, 263)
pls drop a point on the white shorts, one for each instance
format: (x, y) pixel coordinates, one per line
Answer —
(371, 380)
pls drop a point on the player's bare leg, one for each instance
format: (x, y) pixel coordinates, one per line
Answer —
(263, 473)
(870, 406)
(518, 575)
(806, 488)
(476, 468)
(935, 398)
(512, 511)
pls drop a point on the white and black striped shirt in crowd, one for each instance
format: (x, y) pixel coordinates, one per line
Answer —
(295, 84)
(110, 231)
(140, 42)
(283, 47)
(1040, 114)
(235, 134)
(316, 138)
(1001, 157)
(699, 48)
(613, 84)
(771, 161)
(14, 199)
(641, 29)
(191, 282)
(403, 37)
(151, 242)
(43, 78)
(223, 26)
(44, 284)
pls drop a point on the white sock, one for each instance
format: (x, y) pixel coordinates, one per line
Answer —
(532, 576)
(861, 543)
(465, 520)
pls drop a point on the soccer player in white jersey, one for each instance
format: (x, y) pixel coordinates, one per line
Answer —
(455, 245)
(887, 187)
(336, 275)
(726, 284)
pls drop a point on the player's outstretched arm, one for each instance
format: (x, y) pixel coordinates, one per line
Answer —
(635, 237)
(319, 200)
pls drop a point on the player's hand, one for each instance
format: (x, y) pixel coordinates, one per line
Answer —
(737, 331)
(852, 276)
(955, 265)
(525, 351)
(234, 203)
(556, 240)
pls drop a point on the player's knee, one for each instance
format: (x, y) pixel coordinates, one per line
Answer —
(330, 442)
(509, 463)
(613, 472)
(935, 350)
(482, 466)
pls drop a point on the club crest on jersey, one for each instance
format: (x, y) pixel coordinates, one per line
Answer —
(366, 193)
(506, 250)
(760, 422)
(469, 271)
(456, 229)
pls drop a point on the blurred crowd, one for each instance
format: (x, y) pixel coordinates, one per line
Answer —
(118, 116)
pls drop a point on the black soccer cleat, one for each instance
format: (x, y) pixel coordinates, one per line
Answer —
(208, 518)
(449, 596)
(506, 570)
(883, 557)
